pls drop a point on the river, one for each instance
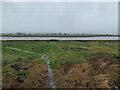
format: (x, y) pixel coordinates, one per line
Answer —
(59, 38)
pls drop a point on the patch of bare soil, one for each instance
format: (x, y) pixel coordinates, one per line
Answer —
(96, 73)
(35, 78)
(0, 77)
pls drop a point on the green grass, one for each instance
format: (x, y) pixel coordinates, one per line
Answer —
(56, 51)
(62, 54)
(54, 64)
(11, 56)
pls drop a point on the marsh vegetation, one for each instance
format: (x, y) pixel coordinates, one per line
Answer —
(75, 64)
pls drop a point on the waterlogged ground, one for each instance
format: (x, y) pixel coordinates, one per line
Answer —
(74, 64)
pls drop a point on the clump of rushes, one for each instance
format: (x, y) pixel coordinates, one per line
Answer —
(54, 64)
(38, 61)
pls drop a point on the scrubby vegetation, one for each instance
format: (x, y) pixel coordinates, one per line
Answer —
(75, 64)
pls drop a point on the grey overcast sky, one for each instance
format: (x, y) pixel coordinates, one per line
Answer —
(64, 17)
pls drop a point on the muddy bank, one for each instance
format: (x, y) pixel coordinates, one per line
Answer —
(48, 81)
(97, 73)
(34, 77)
(58, 40)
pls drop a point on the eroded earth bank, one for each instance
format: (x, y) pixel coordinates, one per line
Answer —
(95, 73)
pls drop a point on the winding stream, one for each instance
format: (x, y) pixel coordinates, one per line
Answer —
(51, 81)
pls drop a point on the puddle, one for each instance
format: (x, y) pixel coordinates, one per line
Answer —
(76, 49)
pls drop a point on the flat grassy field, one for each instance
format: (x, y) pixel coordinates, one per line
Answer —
(65, 57)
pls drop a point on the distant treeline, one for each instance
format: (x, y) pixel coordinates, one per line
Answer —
(55, 35)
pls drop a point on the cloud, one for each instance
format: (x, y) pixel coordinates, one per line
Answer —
(60, 0)
(60, 17)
